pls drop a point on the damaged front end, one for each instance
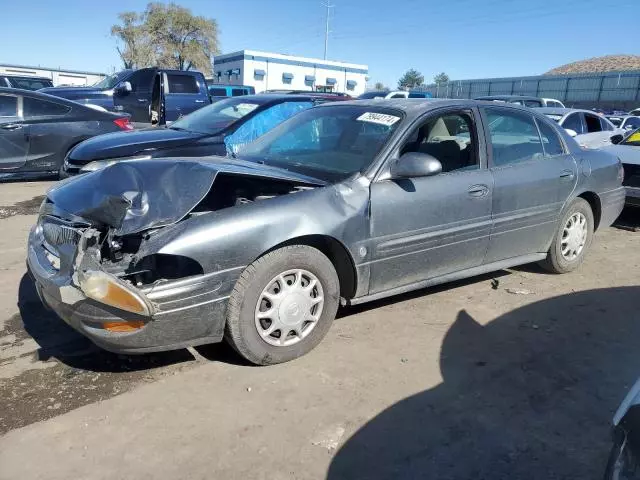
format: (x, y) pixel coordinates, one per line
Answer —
(97, 251)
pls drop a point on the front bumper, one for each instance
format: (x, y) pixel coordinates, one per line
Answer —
(633, 196)
(186, 312)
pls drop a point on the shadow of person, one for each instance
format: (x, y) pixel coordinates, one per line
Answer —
(528, 396)
(58, 340)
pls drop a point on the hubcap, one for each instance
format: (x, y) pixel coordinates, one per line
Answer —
(289, 307)
(574, 236)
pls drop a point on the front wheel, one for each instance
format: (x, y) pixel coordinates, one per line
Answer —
(283, 305)
(572, 240)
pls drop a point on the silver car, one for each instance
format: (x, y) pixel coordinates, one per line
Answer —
(342, 204)
(588, 128)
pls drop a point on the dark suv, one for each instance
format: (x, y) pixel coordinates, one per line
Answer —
(148, 93)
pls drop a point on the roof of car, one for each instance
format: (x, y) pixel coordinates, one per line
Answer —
(507, 97)
(562, 111)
(416, 106)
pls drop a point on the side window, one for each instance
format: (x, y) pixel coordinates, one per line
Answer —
(532, 103)
(573, 122)
(592, 123)
(262, 122)
(182, 83)
(141, 80)
(514, 137)
(8, 107)
(40, 108)
(450, 138)
(397, 95)
(237, 92)
(632, 123)
(606, 126)
(550, 140)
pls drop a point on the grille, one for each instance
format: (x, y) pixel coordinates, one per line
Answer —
(631, 175)
(57, 234)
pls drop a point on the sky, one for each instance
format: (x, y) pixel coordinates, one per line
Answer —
(464, 38)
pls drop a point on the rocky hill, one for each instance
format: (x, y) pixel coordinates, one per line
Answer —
(599, 64)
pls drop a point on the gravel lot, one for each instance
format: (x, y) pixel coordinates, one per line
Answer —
(511, 375)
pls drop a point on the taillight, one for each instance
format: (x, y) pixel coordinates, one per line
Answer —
(123, 123)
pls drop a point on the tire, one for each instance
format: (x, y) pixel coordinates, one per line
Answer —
(243, 325)
(556, 262)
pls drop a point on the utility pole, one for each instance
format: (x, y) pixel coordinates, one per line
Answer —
(326, 31)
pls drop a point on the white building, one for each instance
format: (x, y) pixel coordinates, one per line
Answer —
(58, 76)
(272, 71)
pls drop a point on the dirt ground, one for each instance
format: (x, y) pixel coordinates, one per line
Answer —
(510, 375)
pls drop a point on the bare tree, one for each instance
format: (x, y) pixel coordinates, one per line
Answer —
(135, 46)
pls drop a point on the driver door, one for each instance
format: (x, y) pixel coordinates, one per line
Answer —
(427, 227)
(14, 140)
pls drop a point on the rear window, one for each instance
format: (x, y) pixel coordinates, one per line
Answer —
(30, 83)
(182, 83)
(218, 92)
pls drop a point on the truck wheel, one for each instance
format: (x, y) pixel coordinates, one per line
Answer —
(283, 305)
(572, 239)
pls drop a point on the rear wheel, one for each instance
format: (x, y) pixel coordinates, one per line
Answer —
(283, 305)
(572, 239)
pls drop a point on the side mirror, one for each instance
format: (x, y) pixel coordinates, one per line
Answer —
(572, 133)
(616, 139)
(123, 88)
(414, 164)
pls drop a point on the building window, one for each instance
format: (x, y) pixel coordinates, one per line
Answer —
(351, 84)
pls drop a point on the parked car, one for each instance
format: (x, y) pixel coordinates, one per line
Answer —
(635, 112)
(625, 122)
(384, 94)
(37, 131)
(219, 92)
(524, 100)
(218, 129)
(590, 129)
(628, 151)
(145, 94)
(624, 457)
(25, 83)
(347, 202)
(323, 94)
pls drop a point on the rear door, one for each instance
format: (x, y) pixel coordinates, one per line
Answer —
(14, 137)
(185, 92)
(50, 133)
(533, 175)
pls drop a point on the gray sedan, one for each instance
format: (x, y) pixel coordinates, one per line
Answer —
(342, 204)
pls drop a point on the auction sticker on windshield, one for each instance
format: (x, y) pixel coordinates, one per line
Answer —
(379, 118)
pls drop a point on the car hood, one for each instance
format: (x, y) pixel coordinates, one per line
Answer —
(74, 93)
(626, 153)
(134, 196)
(127, 144)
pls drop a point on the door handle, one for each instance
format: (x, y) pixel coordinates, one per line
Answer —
(478, 190)
(567, 175)
(199, 101)
(11, 126)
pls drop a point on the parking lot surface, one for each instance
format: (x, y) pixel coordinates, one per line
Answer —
(510, 375)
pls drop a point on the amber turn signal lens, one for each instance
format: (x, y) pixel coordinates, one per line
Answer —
(107, 289)
(123, 326)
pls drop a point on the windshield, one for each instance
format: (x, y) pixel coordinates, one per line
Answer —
(553, 116)
(633, 139)
(216, 117)
(110, 81)
(373, 95)
(330, 143)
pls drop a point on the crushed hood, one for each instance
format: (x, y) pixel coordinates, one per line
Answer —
(134, 196)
